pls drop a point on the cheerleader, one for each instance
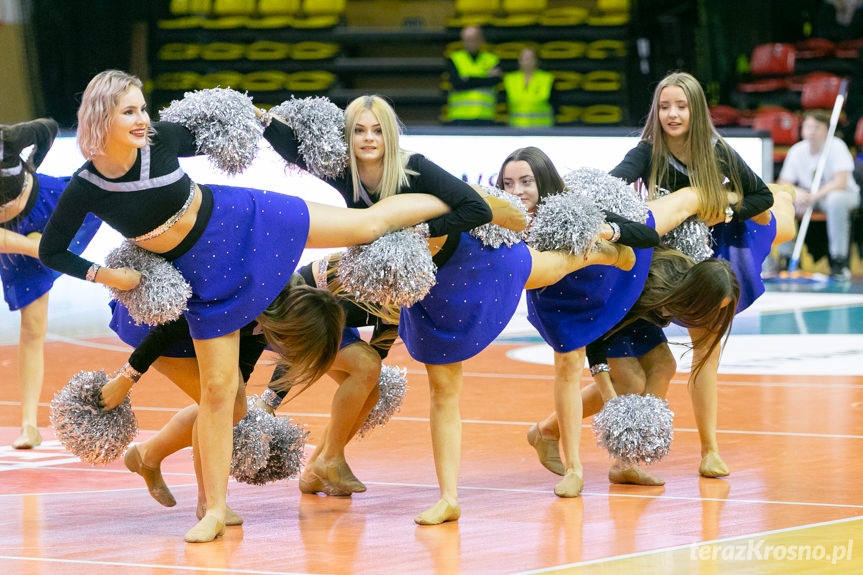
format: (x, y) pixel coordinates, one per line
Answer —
(378, 168)
(26, 202)
(696, 295)
(236, 247)
(577, 309)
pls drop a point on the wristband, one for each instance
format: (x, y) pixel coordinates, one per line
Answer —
(615, 232)
(265, 118)
(599, 368)
(91, 273)
(271, 398)
(130, 373)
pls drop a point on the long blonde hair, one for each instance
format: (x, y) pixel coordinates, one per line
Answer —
(97, 105)
(395, 159)
(705, 172)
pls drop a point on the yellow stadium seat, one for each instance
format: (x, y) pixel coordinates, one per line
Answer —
(225, 79)
(602, 49)
(278, 7)
(515, 20)
(602, 114)
(310, 81)
(223, 51)
(331, 7)
(609, 19)
(561, 50)
(476, 6)
(568, 115)
(265, 81)
(177, 81)
(189, 7)
(565, 81)
(511, 50)
(266, 50)
(612, 5)
(227, 23)
(314, 51)
(186, 23)
(233, 7)
(524, 6)
(601, 81)
(566, 16)
(270, 23)
(179, 51)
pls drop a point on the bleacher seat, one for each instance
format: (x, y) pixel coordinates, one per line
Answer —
(233, 7)
(724, 115)
(320, 14)
(562, 50)
(564, 16)
(820, 91)
(772, 60)
(814, 48)
(278, 7)
(783, 125)
(473, 13)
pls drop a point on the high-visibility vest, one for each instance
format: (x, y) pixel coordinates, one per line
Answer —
(529, 104)
(478, 103)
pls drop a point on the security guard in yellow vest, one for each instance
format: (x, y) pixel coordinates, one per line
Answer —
(528, 93)
(474, 76)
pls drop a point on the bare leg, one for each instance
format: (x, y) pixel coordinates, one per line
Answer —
(357, 369)
(333, 227)
(548, 268)
(671, 210)
(568, 368)
(783, 212)
(218, 363)
(445, 385)
(31, 369)
(702, 390)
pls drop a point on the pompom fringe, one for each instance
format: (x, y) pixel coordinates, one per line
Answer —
(608, 192)
(396, 269)
(320, 128)
(224, 124)
(635, 428)
(492, 235)
(568, 222)
(161, 295)
(392, 385)
(83, 427)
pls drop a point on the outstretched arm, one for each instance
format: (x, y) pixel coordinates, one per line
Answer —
(14, 243)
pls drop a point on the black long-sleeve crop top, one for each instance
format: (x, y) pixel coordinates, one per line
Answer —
(756, 195)
(468, 208)
(148, 195)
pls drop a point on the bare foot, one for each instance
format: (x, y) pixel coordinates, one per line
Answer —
(546, 449)
(570, 486)
(442, 512)
(206, 530)
(29, 438)
(152, 476)
(712, 465)
(631, 474)
(231, 517)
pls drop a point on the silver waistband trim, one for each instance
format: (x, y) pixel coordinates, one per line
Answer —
(321, 276)
(171, 221)
(14, 171)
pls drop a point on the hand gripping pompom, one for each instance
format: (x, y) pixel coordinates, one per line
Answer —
(396, 269)
(161, 295)
(392, 385)
(320, 128)
(608, 192)
(224, 124)
(635, 428)
(568, 222)
(492, 235)
(83, 427)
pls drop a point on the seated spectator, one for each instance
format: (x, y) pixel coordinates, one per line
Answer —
(474, 76)
(529, 93)
(838, 194)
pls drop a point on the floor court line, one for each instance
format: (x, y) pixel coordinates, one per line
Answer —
(688, 546)
(149, 566)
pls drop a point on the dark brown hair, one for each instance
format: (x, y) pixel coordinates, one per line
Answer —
(691, 293)
(818, 115)
(548, 181)
(304, 326)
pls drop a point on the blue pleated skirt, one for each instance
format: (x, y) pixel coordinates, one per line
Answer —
(634, 340)
(245, 257)
(587, 303)
(476, 294)
(25, 279)
(745, 245)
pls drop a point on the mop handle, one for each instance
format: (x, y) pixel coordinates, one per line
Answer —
(819, 173)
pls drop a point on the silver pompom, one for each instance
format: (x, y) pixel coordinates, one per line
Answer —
(568, 222)
(396, 269)
(635, 428)
(224, 124)
(83, 427)
(287, 445)
(252, 437)
(609, 193)
(392, 385)
(161, 295)
(320, 128)
(692, 238)
(492, 235)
